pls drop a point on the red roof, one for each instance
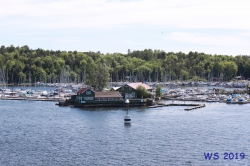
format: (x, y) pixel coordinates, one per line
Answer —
(82, 90)
(136, 84)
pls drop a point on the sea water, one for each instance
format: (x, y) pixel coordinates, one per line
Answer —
(42, 133)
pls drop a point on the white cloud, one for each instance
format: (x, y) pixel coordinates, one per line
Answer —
(136, 24)
(79, 14)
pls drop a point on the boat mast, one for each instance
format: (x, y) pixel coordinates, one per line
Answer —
(12, 79)
(7, 78)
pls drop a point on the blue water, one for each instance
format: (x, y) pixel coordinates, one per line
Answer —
(41, 133)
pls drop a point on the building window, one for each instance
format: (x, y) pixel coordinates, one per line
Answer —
(133, 94)
(88, 92)
(88, 98)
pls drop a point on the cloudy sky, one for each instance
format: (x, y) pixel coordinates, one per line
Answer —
(108, 26)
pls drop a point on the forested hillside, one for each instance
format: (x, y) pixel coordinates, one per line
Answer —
(22, 64)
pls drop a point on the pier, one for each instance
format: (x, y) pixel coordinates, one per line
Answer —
(32, 99)
(191, 106)
(195, 107)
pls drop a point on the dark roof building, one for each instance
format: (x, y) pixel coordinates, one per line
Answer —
(82, 90)
(87, 94)
(86, 97)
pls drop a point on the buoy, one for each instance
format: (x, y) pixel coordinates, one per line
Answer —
(127, 119)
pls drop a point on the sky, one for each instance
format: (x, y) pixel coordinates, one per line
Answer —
(109, 26)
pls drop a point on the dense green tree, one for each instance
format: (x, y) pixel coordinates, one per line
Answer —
(230, 69)
(142, 92)
(98, 76)
(158, 92)
(145, 65)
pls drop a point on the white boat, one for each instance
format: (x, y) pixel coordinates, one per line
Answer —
(241, 101)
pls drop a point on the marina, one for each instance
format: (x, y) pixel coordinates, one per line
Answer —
(202, 92)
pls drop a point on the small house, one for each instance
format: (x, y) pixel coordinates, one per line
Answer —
(85, 94)
(129, 90)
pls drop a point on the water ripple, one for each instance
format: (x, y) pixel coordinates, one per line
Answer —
(39, 133)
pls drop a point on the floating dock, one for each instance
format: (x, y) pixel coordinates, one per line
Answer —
(191, 106)
(195, 107)
(32, 99)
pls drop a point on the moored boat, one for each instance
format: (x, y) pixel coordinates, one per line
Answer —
(241, 101)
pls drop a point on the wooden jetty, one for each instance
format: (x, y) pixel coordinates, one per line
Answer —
(195, 107)
(190, 105)
(32, 99)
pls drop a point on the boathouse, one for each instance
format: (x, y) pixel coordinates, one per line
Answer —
(129, 90)
(89, 96)
(86, 97)
(85, 94)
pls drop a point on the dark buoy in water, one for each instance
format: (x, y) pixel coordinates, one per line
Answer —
(127, 119)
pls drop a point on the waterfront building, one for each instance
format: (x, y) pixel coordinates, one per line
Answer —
(129, 90)
(87, 97)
